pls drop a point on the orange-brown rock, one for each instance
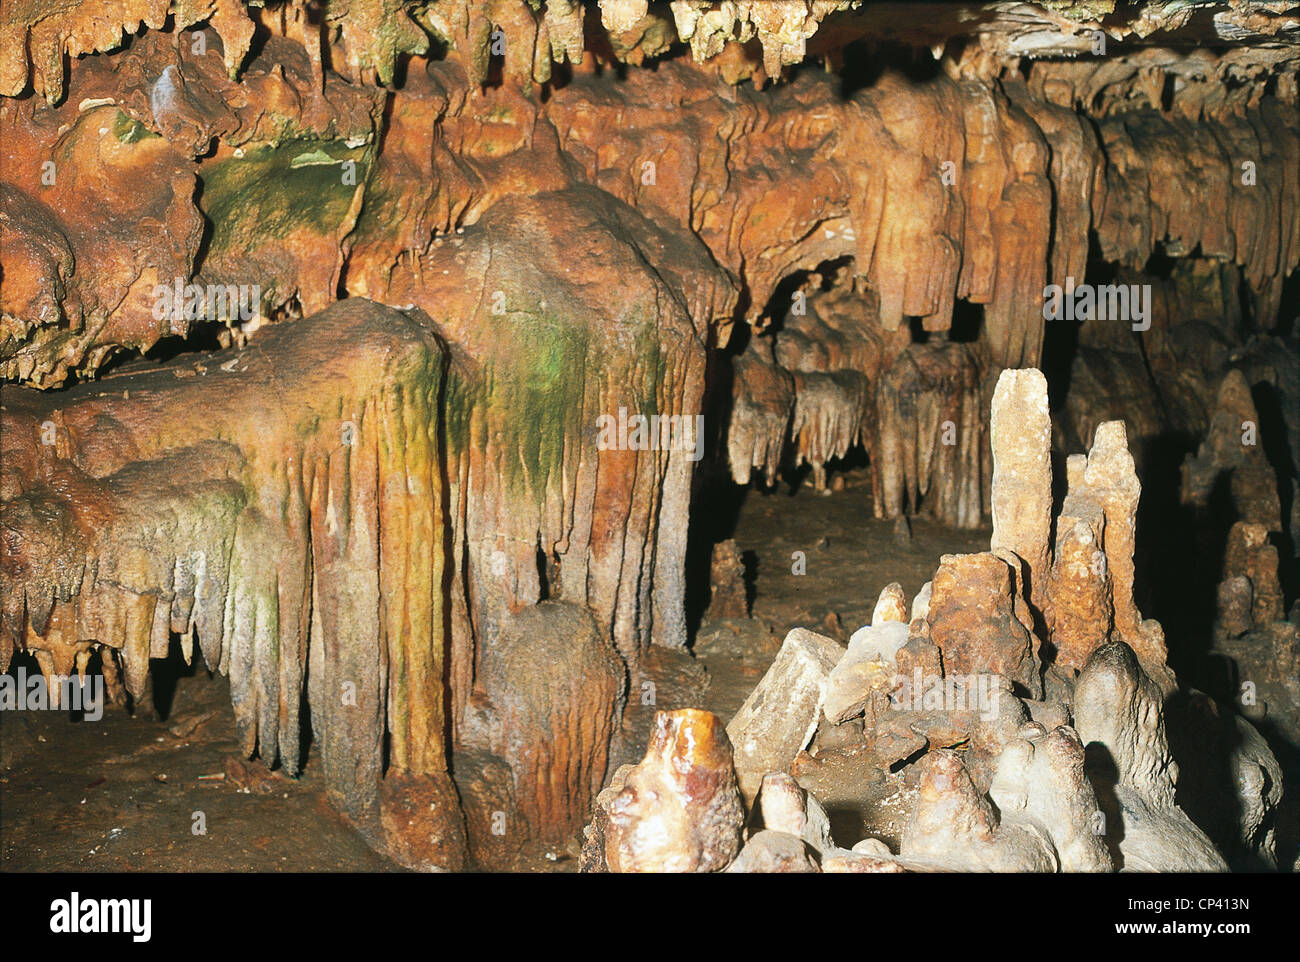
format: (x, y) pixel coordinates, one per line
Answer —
(727, 594)
(294, 532)
(974, 622)
(553, 727)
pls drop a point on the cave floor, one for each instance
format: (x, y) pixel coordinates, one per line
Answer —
(847, 557)
(122, 793)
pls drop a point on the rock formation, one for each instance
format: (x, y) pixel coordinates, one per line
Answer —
(1006, 773)
(381, 350)
(293, 533)
(678, 810)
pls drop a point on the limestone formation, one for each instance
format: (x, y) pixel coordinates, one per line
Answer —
(1238, 812)
(781, 714)
(1020, 431)
(1046, 817)
(1080, 582)
(865, 676)
(727, 582)
(1040, 777)
(679, 810)
(955, 827)
(1120, 718)
(269, 534)
(974, 621)
(774, 852)
(785, 807)
(553, 730)
(392, 354)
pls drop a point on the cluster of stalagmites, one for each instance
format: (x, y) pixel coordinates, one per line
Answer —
(1020, 705)
(1231, 477)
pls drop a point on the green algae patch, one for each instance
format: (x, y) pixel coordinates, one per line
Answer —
(524, 401)
(129, 131)
(274, 191)
(533, 401)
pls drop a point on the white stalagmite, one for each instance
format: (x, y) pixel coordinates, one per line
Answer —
(1021, 434)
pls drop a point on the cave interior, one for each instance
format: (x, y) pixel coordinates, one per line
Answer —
(827, 436)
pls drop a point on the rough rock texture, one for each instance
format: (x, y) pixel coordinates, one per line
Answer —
(295, 532)
(1079, 584)
(980, 622)
(992, 202)
(1091, 582)
(1120, 718)
(782, 712)
(727, 594)
(1110, 478)
(1046, 815)
(587, 239)
(1003, 784)
(679, 810)
(552, 728)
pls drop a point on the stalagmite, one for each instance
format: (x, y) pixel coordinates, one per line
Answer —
(510, 296)
(955, 827)
(552, 729)
(1040, 777)
(727, 582)
(974, 621)
(1121, 721)
(785, 807)
(772, 852)
(1112, 480)
(679, 810)
(1079, 585)
(1020, 431)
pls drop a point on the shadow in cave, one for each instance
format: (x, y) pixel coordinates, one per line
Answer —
(866, 60)
(165, 675)
(1179, 555)
(1103, 773)
(716, 500)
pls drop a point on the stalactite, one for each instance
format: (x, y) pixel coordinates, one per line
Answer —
(283, 504)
